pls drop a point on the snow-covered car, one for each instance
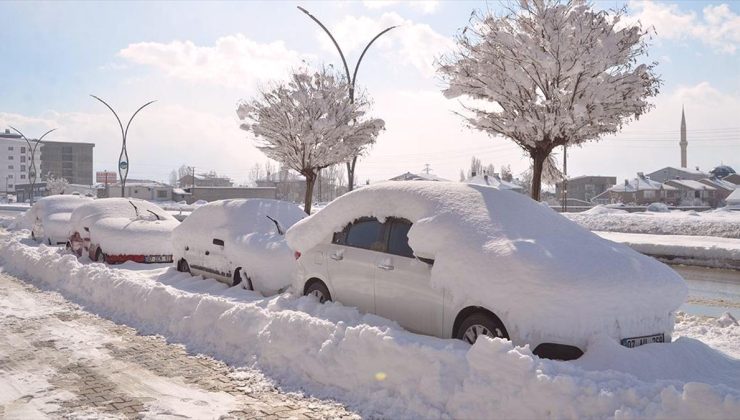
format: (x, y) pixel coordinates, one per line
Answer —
(49, 217)
(115, 230)
(460, 261)
(239, 241)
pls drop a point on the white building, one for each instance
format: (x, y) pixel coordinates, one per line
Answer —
(15, 161)
(145, 190)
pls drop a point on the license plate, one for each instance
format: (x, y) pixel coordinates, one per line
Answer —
(157, 258)
(646, 339)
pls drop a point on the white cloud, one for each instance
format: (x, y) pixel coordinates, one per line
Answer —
(414, 44)
(234, 60)
(718, 26)
(163, 137)
(424, 6)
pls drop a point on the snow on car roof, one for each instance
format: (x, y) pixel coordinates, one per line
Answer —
(57, 204)
(93, 211)
(243, 215)
(506, 250)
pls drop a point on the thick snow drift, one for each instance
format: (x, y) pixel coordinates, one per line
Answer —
(252, 241)
(380, 370)
(49, 216)
(543, 275)
(124, 226)
(720, 222)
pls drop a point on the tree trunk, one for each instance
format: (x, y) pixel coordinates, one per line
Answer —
(310, 181)
(538, 161)
(351, 174)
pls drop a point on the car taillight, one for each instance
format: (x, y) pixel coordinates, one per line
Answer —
(297, 255)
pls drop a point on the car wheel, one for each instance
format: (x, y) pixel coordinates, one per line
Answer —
(238, 277)
(100, 256)
(48, 240)
(68, 246)
(33, 235)
(479, 324)
(319, 290)
(183, 266)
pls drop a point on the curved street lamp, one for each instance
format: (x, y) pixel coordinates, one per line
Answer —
(123, 161)
(32, 173)
(350, 79)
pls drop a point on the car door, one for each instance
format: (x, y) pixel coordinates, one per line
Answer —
(352, 262)
(403, 291)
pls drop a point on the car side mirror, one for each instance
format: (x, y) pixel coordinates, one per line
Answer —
(218, 242)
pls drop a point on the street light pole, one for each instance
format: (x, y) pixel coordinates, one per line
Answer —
(350, 80)
(32, 167)
(123, 161)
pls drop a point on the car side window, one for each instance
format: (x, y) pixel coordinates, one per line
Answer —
(366, 233)
(398, 240)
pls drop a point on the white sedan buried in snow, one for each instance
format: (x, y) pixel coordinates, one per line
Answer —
(460, 261)
(115, 230)
(49, 217)
(239, 241)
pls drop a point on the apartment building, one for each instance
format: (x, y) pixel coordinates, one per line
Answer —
(15, 161)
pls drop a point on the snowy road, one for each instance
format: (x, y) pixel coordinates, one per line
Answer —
(712, 292)
(59, 361)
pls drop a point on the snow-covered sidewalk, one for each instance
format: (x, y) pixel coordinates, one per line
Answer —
(59, 361)
(706, 251)
(379, 369)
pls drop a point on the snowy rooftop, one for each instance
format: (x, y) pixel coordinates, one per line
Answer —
(410, 176)
(691, 184)
(493, 181)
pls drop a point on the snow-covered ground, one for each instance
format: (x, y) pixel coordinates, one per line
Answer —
(708, 251)
(720, 222)
(379, 369)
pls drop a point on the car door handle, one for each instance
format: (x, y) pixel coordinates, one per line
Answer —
(386, 267)
(337, 256)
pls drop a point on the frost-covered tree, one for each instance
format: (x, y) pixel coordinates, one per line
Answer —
(56, 185)
(309, 123)
(550, 74)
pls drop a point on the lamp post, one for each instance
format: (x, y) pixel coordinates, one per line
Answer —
(351, 79)
(32, 167)
(123, 161)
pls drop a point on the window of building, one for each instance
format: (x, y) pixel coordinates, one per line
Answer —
(23, 176)
(23, 158)
(23, 149)
(66, 150)
(67, 165)
(10, 157)
(161, 193)
(649, 194)
(10, 166)
(23, 168)
(10, 176)
(10, 185)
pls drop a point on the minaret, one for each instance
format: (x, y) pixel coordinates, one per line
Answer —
(683, 143)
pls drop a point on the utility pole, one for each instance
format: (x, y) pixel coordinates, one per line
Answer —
(426, 168)
(350, 80)
(192, 189)
(565, 179)
(123, 161)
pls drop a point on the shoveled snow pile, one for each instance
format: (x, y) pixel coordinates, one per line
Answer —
(379, 369)
(722, 332)
(658, 208)
(543, 275)
(251, 239)
(600, 209)
(719, 222)
(123, 226)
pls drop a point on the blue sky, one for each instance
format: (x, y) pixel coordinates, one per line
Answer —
(199, 58)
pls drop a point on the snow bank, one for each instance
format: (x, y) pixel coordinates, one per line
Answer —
(697, 250)
(658, 208)
(547, 279)
(379, 369)
(252, 240)
(600, 209)
(719, 222)
(123, 226)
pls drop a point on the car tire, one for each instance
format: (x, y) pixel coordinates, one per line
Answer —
(48, 240)
(319, 290)
(33, 235)
(238, 280)
(478, 324)
(183, 266)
